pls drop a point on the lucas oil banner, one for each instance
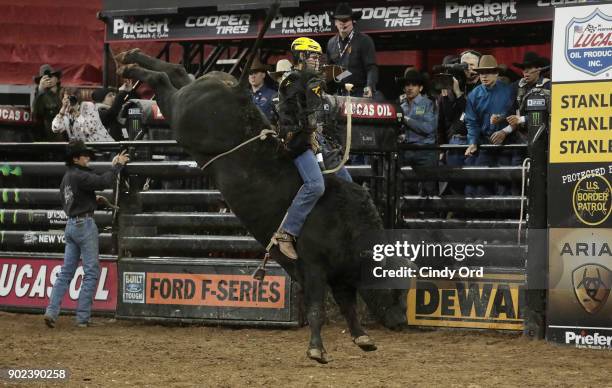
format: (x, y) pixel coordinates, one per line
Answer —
(580, 179)
(26, 282)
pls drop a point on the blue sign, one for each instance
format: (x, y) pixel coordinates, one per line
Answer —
(588, 43)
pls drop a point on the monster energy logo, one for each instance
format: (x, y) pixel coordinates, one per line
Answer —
(5, 195)
(536, 118)
(7, 170)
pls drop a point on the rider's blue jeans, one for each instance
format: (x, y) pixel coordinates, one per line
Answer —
(310, 192)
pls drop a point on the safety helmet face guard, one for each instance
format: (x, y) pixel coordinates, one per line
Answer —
(307, 51)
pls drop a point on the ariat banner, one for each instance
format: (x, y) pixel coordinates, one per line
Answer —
(580, 279)
(581, 125)
(491, 302)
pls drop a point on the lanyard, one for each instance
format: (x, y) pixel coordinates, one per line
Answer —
(350, 38)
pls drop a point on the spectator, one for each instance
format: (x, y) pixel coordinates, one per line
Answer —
(472, 58)
(283, 68)
(88, 125)
(79, 199)
(486, 110)
(532, 67)
(261, 94)
(420, 126)
(451, 128)
(69, 112)
(46, 103)
(108, 104)
(353, 51)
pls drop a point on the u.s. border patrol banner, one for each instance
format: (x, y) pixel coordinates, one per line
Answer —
(580, 178)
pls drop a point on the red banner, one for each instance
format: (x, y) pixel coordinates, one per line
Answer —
(27, 283)
(13, 115)
(364, 109)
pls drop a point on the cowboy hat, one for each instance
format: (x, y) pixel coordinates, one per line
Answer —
(487, 63)
(532, 59)
(344, 11)
(77, 148)
(46, 69)
(258, 66)
(282, 66)
(412, 76)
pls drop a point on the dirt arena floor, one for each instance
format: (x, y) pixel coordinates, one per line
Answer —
(135, 354)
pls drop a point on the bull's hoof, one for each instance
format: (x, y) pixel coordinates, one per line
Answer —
(126, 57)
(318, 355)
(126, 70)
(365, 343)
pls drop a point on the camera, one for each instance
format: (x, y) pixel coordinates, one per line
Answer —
(73, 100)
(444, 74)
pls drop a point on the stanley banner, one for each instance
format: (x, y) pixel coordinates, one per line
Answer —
(579, 309)
(582, 122)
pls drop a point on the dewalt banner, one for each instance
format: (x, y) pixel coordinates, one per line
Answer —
(491, 302)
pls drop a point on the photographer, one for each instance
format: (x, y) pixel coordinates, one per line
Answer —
(108, 104)
(46, 104)
(450, 81)
(69, 112)
(472, 79)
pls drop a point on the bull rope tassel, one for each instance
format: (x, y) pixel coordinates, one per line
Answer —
(349, 131)
(261, 136)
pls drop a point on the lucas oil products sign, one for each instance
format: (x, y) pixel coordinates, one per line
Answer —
(26, 282)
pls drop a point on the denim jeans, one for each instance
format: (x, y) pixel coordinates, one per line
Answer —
(308, 195)
(81, 242)
(456, 158)
(418, 159)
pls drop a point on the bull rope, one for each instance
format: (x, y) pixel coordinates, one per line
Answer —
(349, 131)
(263, 135)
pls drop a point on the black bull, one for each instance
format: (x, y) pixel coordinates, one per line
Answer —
(214, 114)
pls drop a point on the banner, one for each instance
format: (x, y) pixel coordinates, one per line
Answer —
(475, 13)
(289, 22)
(491, 302)
(219, 290)
(579, 311)
(27, 283)
(13, 115)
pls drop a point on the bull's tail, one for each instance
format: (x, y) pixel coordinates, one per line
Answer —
(245, 72)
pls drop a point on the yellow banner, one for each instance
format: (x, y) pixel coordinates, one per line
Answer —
(581, 123)
(492, 302)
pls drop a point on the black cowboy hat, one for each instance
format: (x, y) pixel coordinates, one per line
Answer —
(77, 148)
(46, 69)
(345, 11)
(532, 59)
(412, 76)
(258, 66)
